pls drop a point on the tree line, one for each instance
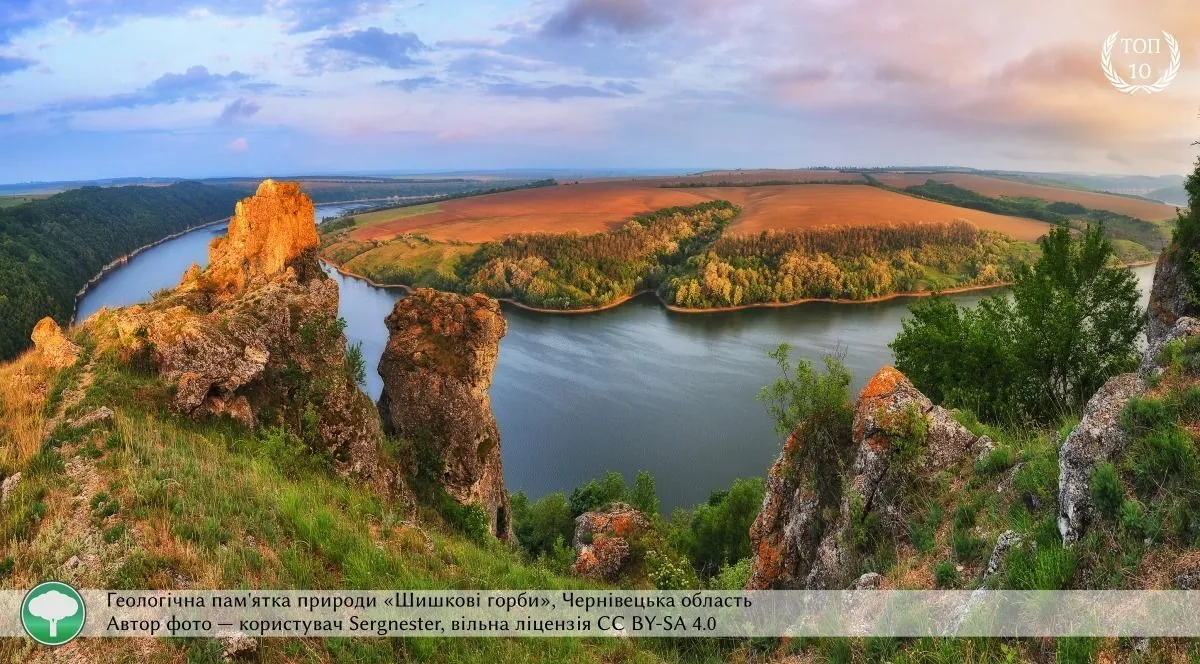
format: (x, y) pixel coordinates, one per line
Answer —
(50, 248)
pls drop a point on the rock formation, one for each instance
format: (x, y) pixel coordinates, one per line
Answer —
(256, 336)
(602, 540)
(1169, 299)
(267, 233)
(437, 368)
(1098, 437)
(55, 348)
(799, 538)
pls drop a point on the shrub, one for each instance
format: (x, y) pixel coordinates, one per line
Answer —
(644, 497)
(1107, 491)
(538, 526)
(598, 494)
(354, 364)
(1133, 519)
(1143, 414)
(718, 532)
(1164, 456)
(945, 574)
(1044, 568)
(666, 574)
(732, 577)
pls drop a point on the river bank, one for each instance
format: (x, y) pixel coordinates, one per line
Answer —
(684, 310)
(122, 260)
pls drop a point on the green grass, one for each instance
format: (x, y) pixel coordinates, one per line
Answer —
(375, 218)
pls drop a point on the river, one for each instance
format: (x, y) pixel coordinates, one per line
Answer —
(631, 388)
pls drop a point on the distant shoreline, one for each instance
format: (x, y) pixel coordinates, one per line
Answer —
(683, 310)
(121, 260)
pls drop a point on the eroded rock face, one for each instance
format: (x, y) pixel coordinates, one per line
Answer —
(437, 368)
(256, 335)
(268, 232)
(55, 348)
(602, 540)
(799, 539)
(1168, 296)
(1098, 437)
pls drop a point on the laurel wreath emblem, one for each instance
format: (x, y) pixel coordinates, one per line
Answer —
(1119, 83)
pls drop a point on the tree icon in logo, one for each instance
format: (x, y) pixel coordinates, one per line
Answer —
(53, 613)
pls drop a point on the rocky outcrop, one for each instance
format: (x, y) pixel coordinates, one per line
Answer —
(799, 539)
(1099, 436)
(1169, 296)
(267, 234)
(1184, 327)
(437, 368)
(602, 540)
(256, 336)
(56, 350)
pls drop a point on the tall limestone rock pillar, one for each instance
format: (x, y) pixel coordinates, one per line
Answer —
(436, 371)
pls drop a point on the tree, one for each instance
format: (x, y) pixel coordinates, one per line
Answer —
(644, 496)
(539, 526)
(1186, 238)
(718, 533)
(597, 494)
(1070, 323)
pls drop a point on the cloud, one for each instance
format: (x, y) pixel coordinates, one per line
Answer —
(552, 92)
(239, 109)
(311, 15)
(195, 84)
(622, 16)
(488, 62)
(370, 47)
(9, 64)
(412, 84)
(239, 145)
(300, 16)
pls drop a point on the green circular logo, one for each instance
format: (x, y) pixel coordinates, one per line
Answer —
(53, 613)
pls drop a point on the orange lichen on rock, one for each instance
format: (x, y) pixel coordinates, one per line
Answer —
(55, 348)
(602, 538)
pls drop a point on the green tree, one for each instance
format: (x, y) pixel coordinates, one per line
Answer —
(801, 391)
(644, 496)
(540, 526)
(1070, 323)
(1187, 233)
(598, 494)
(718, 532)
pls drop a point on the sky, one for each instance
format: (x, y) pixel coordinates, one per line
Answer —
(201, 88)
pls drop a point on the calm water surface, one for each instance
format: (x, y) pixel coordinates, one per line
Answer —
(636, 387)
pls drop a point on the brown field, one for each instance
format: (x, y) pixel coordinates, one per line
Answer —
(598, 206)
(811, 206)
(590, 207)
(763, 175)
(993, 186)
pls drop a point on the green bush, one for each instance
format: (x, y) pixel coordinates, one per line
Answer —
(539, 526)
(1144, 414)
(1044, 568)
(1161, 458)
(732, 577)
(718, 532)
(1133, 519)
(1107, 491)
(644, 496)
(945, 574)
(598, 494)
